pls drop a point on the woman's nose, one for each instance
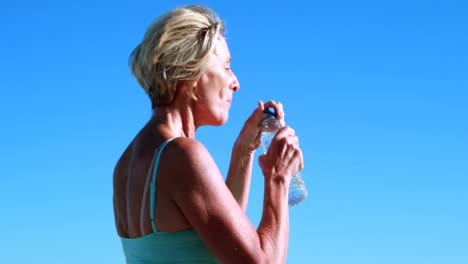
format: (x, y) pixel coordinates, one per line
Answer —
(235, 86)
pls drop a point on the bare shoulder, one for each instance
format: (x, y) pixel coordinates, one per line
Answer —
(188, 158)
(187, 153)
(187, 146)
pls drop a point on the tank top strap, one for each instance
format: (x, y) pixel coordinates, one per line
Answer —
(153, 183)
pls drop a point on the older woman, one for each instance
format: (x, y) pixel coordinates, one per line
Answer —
(171, 202)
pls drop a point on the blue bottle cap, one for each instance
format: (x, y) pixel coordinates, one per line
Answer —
(269, 112)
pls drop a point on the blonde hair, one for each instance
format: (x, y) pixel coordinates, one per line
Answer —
(176, 48)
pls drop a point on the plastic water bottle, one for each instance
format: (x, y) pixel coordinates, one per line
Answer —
(297, 189)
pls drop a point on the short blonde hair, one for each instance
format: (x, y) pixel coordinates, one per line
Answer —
(176, 48)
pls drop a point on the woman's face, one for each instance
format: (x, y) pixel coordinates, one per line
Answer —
(216, 87)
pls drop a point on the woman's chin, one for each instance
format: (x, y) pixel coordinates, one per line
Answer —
(221, 121)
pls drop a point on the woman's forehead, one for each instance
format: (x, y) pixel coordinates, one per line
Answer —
(222, 50)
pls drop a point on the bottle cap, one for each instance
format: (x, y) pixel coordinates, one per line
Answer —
(269, 112)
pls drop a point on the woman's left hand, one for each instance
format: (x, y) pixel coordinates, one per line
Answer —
(249, 137)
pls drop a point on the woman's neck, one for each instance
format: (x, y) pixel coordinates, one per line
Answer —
(174, 120)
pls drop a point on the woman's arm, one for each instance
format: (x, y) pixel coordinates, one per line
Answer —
(239, 175)
(243, 152)
(211, 209)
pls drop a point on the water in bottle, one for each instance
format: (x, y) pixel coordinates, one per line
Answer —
(297, 189)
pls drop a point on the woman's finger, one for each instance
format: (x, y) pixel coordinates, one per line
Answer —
(279, 110)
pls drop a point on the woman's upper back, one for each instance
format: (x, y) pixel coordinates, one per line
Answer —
(152, 246)
(132, 193)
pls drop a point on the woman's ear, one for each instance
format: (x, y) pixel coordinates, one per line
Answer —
(189, 88)
(194, 89)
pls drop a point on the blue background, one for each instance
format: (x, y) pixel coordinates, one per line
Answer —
(377, 92)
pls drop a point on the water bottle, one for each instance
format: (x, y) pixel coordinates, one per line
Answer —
(297, 189)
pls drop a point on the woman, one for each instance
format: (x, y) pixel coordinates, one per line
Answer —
(171, 202)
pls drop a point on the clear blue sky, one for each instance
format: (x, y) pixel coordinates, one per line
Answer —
(377, 91)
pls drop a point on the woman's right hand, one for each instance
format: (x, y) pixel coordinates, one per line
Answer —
(284, 156)
(249, 137)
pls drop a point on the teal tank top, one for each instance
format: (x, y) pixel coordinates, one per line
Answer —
(165, 247)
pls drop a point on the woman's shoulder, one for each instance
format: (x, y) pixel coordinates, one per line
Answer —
(187, 153)
(186, 146)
